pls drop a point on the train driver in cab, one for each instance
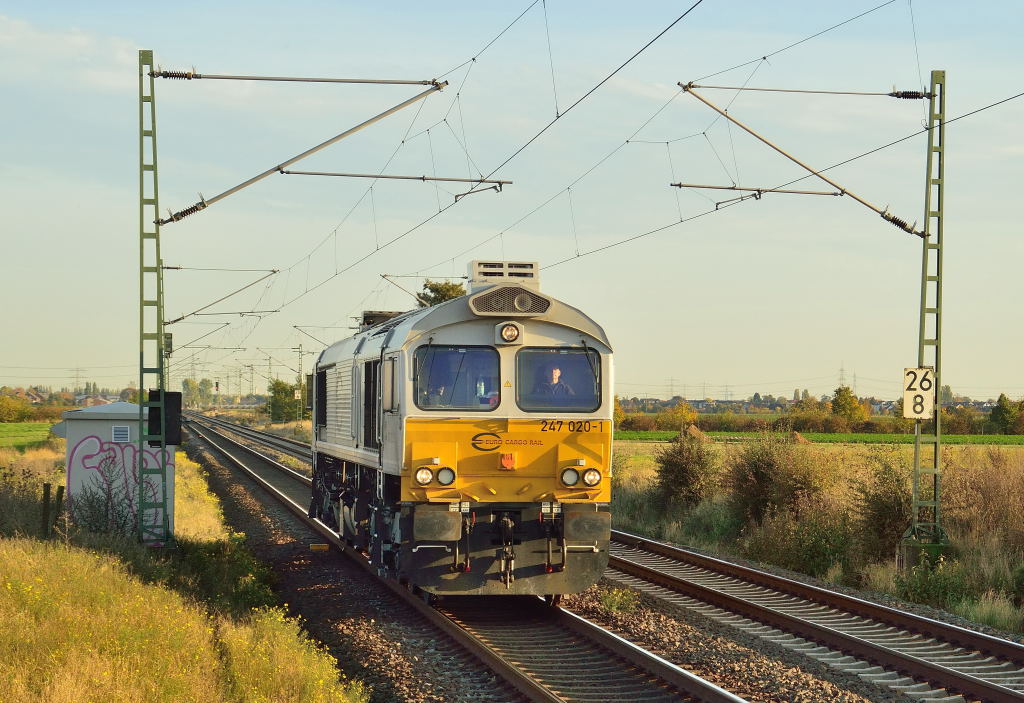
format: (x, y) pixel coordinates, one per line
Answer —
(550, 383)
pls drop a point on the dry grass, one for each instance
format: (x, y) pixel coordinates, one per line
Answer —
(270, 659)
(993, 609)
(77, 627)
(100, 617)
(197, 512)
(983, 491)
(301, 430)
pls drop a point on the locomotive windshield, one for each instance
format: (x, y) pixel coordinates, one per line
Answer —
(558, 379)
(457, 378)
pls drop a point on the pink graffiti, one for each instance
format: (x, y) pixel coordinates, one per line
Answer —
(110, 463)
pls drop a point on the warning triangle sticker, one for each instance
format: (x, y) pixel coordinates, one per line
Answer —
(508, 384)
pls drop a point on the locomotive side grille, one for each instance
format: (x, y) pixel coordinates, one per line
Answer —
(509, 301)
(339, 407)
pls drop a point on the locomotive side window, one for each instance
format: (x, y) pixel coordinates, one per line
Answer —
(320, 401)
(371, 377)
(558, 379)
(456, 378)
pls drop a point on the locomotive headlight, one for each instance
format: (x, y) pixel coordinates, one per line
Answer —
(570, 477)
(424, 476)
(445, 476)
(591, 477)
(510, 333)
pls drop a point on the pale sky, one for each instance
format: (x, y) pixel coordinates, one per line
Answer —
(767, 296)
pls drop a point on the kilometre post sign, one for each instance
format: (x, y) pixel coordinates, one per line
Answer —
(919, 393)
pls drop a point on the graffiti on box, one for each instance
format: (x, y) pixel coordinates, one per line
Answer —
(103, 483)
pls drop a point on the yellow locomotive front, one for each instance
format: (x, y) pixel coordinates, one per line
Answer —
(507, 460)
(466, 447)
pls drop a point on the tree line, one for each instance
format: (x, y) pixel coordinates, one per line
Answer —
(842, 412)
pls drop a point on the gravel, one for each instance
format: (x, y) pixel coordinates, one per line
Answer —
(374, 637)
(744, 664)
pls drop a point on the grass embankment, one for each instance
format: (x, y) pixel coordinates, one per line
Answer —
(826, 437)
(98, 617)
(837, 512)
(21, 435)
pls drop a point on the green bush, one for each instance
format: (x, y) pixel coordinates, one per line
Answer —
(772, 473)
(1018, 585)
(813, 543)
(688, 471)
(941, 583)
(883, 503)
(619, 600)
(712, 523)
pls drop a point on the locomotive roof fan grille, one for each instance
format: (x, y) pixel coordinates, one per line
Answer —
(506, 289)
(509, 301)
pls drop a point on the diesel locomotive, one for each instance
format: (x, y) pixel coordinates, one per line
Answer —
(466, 447)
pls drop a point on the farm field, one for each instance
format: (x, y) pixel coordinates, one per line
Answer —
(23, 434)
(828, 437)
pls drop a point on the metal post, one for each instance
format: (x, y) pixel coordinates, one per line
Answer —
(302, 389)
(925, 531)
(153, 522)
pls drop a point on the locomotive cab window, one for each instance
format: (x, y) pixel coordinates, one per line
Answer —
(457, 378)
(558, 379)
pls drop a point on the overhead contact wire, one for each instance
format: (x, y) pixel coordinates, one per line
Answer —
(586, 95)
(551, 58)
(782, 185)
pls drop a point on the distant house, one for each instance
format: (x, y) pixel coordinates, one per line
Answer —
(30, 395)
(89, 401)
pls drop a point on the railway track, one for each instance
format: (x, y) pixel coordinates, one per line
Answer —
(544, 653)
(924, 659)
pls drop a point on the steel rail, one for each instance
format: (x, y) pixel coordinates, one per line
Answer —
(636, 657)
(918, 667)
(292, 447)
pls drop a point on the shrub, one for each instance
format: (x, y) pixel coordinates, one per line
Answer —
(835, 423)
(712, 523)
(940, 583)
(620, 600)
(771, 473)
(983, 490)
(883, 503)
(814, 543)
(639, 421)
(808, 420)
(688, 472)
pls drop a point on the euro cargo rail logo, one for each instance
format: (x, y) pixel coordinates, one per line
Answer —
(486, 442)
(489, 441)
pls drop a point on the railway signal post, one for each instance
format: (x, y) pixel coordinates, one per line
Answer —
(152, 513)
(921, 385)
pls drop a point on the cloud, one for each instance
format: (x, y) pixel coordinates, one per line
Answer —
(29, 54)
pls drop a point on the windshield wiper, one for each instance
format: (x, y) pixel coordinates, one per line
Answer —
(590, 362)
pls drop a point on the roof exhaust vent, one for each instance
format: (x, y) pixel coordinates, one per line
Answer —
(491, 273)
(372, 318)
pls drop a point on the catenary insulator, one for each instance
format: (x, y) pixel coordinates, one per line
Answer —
(178, 75)
(909, 94)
